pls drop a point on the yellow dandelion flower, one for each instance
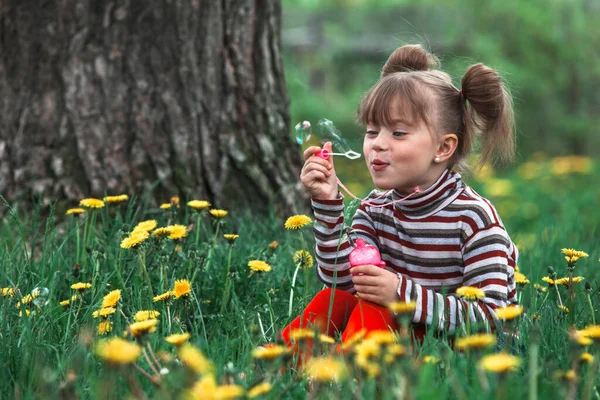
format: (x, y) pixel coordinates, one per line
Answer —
(134, 239)
(104, 327)
(564, 309)
(25, 300)
(521, 279)
(161, 232)
(177, 231)
(568, 376)
(229, 392)
(145, 226)
(431, 360)
(402, 308)
(572, 255)
(79, 286)
(117, 351)
(478, 341)
(273, 245)
(165, 206)
(500, 363)
(175, 200)
(591, 331)
(303, 259)
(193, 358)
(270, 352)
(549, 280)
(394, 351)
(326, 339)
(74, 211)
(382, 336)
(470, 293)
(586, 358)
(579, 337)
(297, 221)
(509, 313)
(204, 388)
(65, 303)
(104, 312)
(323, 369)
(91, 203)
(178, 339)
(181, 288)
(163, 296)
(301, 334)
(539, 287)
(142, 327)
(536, 317)
(144, 315)
(27, 313)
(218, 214)
(111, 299)
(353, 340)
(7, 291)
(116, 199)
(258, 266)
(259, 390)
(231, 237)
(198, 204)
(368, 349)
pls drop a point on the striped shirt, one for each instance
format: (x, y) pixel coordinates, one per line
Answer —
(439, 239)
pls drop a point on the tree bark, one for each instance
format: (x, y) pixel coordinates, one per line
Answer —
(161, 97)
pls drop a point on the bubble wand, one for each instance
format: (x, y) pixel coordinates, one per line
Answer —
(330, 133)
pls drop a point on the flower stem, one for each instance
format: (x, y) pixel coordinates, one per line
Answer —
(197, 229)
(227, 289)
(144, 271)
(292, 290)
(592, 310)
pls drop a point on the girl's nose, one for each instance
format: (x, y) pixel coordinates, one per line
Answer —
(380, 142)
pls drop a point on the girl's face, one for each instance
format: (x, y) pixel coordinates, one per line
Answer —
(401, 156)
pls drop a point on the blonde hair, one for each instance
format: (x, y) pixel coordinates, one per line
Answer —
(419, 91)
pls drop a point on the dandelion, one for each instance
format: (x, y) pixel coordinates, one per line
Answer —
(161, 232)
(80, 286)
(229, 392)
(402, 308)
(134, 239)
(479, 341)
(521, 279)
(231, 237)
(270, 352)
(145, 226)
(500, 363)
(301, 334)
(145, 315)
(592, 332)
(104, 312)
(567, 376)
(540, 288)
(163, 296)
(116, 199)
(178, 339)
(7, 291)
(431, 360)
(165, 206)
(218, 214)
(549, 280)
(303, 259)
(586, 358)
(572, 255)
(198, 204)
(91, 203)
(27, 313)
(354, 339)
(258, 266)
(273, 245)
(177, 231)
(578, 337)
(259, 390)
(117, 351)
(509, 313)
(175, 201)
(326, 369)
(193, 358)
(394, 351)
(382, 336)
(205, 388)
(181, 288)
(104, 327)
(564, 309)
(75, 211)
(142, 328)
(111, 299)
(470, 293)
(297, 221)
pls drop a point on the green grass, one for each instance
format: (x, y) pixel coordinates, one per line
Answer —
(50, 354)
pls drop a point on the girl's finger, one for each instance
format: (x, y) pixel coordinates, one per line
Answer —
(311, 151)
(317, 167)
(366, 280)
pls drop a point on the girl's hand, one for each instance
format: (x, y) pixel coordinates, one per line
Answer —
(318, 175)
(376, 285)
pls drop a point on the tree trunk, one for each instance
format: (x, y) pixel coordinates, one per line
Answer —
(162, 97)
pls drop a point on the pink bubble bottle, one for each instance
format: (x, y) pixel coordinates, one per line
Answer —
(365, 254)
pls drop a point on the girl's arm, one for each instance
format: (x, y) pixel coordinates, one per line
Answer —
(328, 231)
(489, 259)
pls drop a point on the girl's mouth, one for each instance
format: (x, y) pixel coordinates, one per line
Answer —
(379, 165)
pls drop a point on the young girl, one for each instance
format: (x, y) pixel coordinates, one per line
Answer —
(420, 130)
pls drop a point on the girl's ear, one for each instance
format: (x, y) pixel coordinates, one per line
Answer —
(448, 144)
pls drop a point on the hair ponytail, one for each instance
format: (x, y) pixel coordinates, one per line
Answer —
(409, 58)
(487, 109)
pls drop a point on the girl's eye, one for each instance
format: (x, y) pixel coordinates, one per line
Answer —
(371, 133)
(399, 134)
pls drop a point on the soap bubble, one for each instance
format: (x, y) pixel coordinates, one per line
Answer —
(303, 132)
(40, 296)
(329, 133)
